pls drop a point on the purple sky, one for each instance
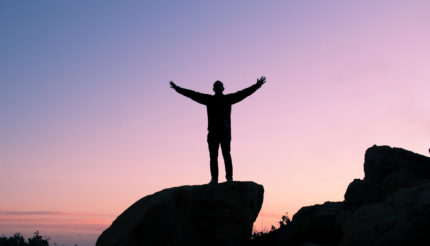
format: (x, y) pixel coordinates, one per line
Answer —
(89, 124)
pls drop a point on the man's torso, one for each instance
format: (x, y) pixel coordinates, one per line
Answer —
(219, 112)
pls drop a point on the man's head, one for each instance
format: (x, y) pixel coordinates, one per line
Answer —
(218, 87)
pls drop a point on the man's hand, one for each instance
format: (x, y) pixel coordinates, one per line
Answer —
(261, 81)
(173, 85)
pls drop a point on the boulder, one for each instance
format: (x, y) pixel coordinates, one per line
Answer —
(402, 219)
(387, 170)
(390, 206)
(379, 161)
(317, 224)
(392, 202)
(221, 214)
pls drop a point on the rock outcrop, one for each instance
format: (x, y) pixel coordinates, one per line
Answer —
(387, 170)
(402, 219)
(221, 214)
(390, 206)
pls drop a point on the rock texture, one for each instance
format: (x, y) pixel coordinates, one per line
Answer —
(221, 214)
(390, 206)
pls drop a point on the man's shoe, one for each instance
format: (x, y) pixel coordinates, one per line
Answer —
(213, 181)
(229, 180)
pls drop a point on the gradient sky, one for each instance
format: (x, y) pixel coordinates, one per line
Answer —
(89, 124)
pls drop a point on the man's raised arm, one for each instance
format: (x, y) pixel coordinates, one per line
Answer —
(196, 96)
(240, 95)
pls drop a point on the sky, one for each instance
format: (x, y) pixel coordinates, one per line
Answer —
(89, 124)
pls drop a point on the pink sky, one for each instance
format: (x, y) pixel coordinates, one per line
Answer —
(90, 125)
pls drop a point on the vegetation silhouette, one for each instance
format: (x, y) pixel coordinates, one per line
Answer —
(219, 121)
(18, 240)
(270, 238)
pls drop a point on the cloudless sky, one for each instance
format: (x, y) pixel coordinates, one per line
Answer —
(89, 125)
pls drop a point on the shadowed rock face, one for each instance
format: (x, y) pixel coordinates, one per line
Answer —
(402, 219)
(221, 214)
(389, 207)
(386, 171)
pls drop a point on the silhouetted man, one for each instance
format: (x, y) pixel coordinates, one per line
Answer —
(219, 109)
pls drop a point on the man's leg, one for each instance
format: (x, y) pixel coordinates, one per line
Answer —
(225, 148)
(213, 153)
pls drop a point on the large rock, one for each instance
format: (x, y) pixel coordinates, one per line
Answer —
(221, 214)
(321, 224)
(402, 219)
(387, 170)
(390, 206)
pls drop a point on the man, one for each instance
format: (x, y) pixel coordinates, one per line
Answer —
(219, 126)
